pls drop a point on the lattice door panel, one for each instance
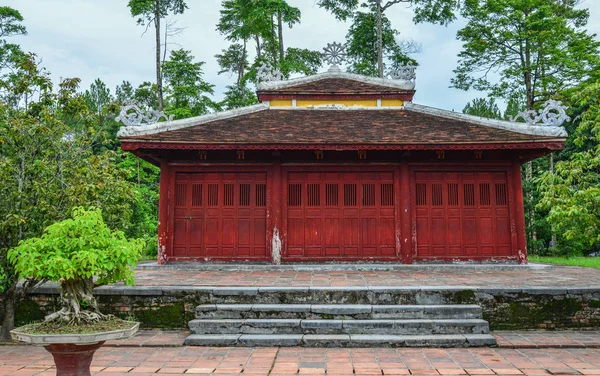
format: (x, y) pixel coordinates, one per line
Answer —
(220, 216)
(462, 215)
(332, 215)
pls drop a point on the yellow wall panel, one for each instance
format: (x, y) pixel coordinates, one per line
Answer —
(392, 102)
(281, 103)
(345, 102)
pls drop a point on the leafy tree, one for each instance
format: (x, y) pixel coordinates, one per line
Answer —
(186, 88)
(538, 47)
(234, 60)
(436, 11)
(301, 60)
(72, 253)
(362, 41)
(262, 21)
(124, 93)
(486, 108)
(47, 167)
(97, 97)
(237, 96)
(10, 22)
(151, 12)
(146, 95)
(571, 194)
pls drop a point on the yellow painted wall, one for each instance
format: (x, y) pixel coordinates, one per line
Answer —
(281, 103)
(392, 102)
(345, 102)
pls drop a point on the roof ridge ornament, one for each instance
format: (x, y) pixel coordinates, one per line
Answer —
(132, 116)
(406, 71)
(553, 114)
(267, 73)
(334, 54)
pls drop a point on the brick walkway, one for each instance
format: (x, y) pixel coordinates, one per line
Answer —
(506, 339)
(560, 277)
(20, 360)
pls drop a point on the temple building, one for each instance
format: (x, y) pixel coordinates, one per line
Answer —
(338, 167)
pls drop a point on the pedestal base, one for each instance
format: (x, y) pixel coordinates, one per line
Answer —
(71, 359)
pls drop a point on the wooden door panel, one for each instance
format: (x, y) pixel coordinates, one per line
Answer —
(220, 215)
(462, 215)
(337, 215)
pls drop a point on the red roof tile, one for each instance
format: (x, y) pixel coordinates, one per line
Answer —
(336, 86)
(337, 127)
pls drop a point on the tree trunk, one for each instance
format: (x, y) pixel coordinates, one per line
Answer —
(273, 43)
(159, 85)
(529, 106)
(242, 65)
(553, 238)
(7, 311)
(258, 48)
(78, 302)
(379, 40)
(280, 34)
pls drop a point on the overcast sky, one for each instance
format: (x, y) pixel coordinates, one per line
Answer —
(93, 39)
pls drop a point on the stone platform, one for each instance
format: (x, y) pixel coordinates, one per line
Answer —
(511, 297)
(363, 275)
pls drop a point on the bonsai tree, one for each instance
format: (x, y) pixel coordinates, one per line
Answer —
(79, 253)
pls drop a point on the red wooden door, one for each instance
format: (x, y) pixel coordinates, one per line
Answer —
(462, 215)
(340, 216)
(220, 216)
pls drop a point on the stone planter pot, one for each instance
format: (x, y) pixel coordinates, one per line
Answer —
(73, 353)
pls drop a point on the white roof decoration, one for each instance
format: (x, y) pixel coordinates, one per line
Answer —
(553, 114)
(335, 72)
(132, 131)
(524, 128)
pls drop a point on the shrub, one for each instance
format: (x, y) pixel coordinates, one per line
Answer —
(73, 253)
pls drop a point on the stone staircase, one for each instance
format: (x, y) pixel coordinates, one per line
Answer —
(339, 325)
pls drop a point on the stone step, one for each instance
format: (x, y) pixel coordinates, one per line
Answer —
(336, 311)
(375, 295)
(341, 340)
(332, 326)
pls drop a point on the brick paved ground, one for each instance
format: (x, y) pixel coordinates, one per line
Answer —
(561, 276)
(20, 360)
(548, 339)
(508, 339)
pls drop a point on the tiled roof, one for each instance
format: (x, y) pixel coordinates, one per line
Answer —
(349, 126)
(336, 86)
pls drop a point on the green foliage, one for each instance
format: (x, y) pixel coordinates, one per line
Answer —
(187, 91)
(587, 262)
(80, 247)
(434, 11)
(261, 22)
(482, 107)
(361, 42)
(10, 22)
(537, 47)
(571, 194)
(300, 60)
(238, 96)
(147, 10)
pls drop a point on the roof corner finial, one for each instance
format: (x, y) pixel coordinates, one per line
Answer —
(132, 116)
(334, 54)
(406, 72)
(266, 73)
(553, 114)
